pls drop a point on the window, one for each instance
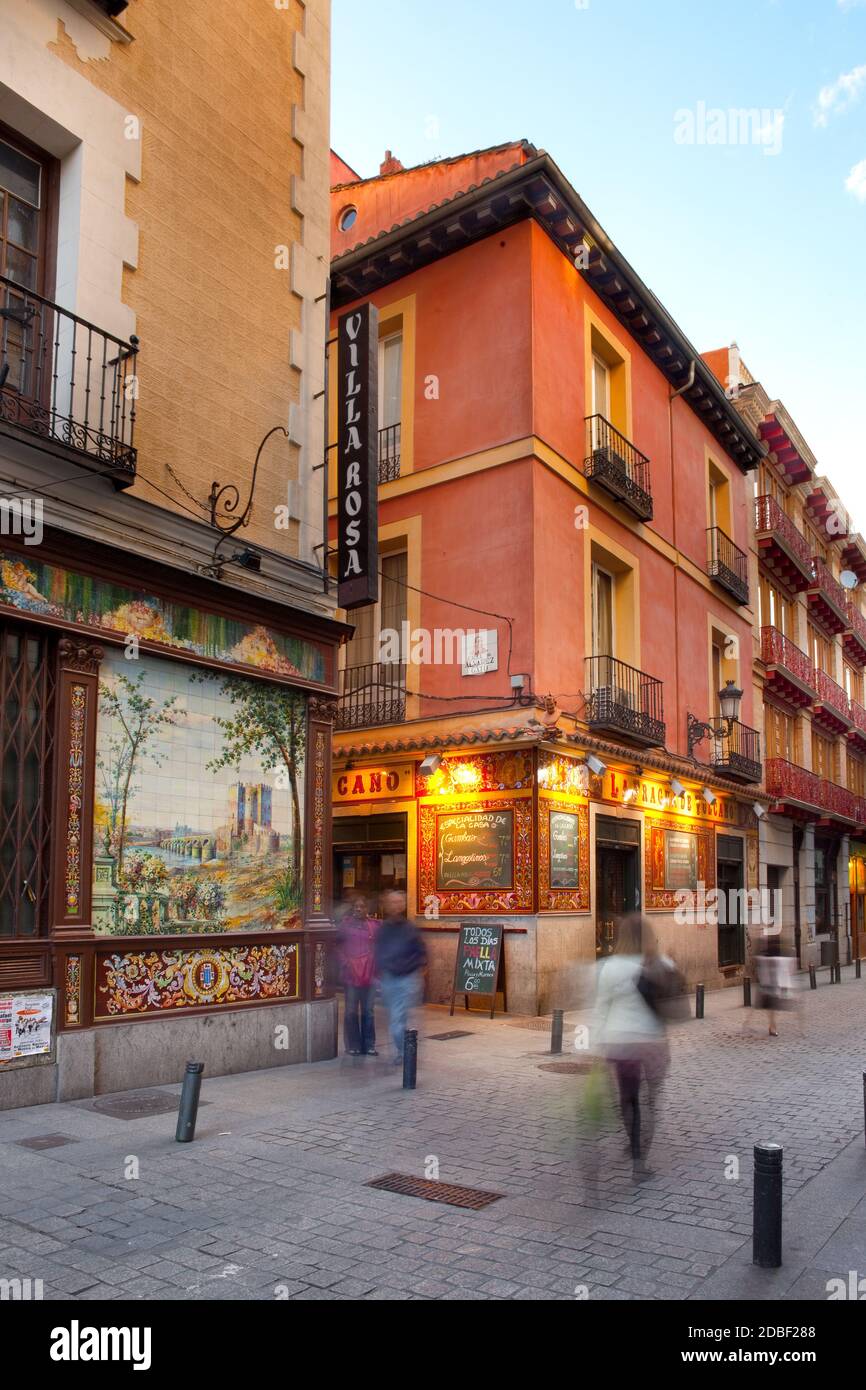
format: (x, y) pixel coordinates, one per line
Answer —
(820, 651)
(27, 184)
(390, 380)
(348, 218)
(823, 756)
(774, 609)
(853, 684)
(602, 612)
(388, 614)
(600, 387)
(26, 685)
(856, 775)
(779, 733)
(22, 192)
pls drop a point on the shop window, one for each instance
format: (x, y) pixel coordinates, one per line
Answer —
(27, 686)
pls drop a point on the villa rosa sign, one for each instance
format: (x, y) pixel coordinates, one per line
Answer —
(358, 458)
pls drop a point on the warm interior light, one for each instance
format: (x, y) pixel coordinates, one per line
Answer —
(465, 775)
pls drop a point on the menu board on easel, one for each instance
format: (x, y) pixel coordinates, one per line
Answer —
(479, 962)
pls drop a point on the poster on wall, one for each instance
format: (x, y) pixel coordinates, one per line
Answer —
(564, 849)
(681, 860)
(475, 849)
(199, 801)
(25, 1025)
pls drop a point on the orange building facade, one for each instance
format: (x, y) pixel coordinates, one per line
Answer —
(568, 582)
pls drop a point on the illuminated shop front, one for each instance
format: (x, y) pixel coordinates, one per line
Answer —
(527, 834)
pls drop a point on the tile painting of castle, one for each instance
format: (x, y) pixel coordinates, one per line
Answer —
(199, 801)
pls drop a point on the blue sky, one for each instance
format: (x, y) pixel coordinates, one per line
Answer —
(739, 243)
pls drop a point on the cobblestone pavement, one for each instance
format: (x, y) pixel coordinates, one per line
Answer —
(270, 1200)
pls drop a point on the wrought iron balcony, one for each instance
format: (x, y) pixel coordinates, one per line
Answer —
(832, 708)
(615, 464)
(827, 600)
(389, 453)
(793, 787)
(838, 803)
(735, 753)
(854, 636)
(727, 564)
(781, 548)
(857, 732)
(790, 673)
(623, 700)
(371, 695)
(66, 385)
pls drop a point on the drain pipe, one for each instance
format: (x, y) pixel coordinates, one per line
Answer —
(687, 387)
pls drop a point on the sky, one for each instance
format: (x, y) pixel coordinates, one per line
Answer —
(758, 240)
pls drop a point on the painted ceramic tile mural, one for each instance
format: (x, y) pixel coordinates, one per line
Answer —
(34, 587)
(199, 801)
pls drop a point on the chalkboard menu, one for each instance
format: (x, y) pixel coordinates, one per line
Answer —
(479, 953)
(475, 849)
(564, 849)
(681, 859)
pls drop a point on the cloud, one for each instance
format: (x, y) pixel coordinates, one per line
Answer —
(839, 95)
(856, 181)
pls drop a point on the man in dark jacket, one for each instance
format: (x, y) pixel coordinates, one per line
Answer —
(400, 960)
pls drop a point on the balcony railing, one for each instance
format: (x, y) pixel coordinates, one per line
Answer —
(66, 384)
(371, 695)
(854, 638)
(787, 782)
(624, 700)
(833, 700)
(389, 453)
(736, 753)
(857, 732)
(779, 651)
(615, 464)
(827, 599)
(781, 546)
(727, 564)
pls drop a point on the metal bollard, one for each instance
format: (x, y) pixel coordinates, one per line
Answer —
(813, 979)
(699, 1001)
(857, 965)
(837, 972)
(767, 1207)
(864, 1107)
(556, 1032)
(188, 1109)
(410, 1059)
(747, 992)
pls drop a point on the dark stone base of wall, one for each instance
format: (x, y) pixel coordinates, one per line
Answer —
(127, 1056)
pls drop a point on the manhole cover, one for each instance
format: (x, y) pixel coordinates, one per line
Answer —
(446, 1037)
(450, 1193)
(137, 1105)
(46, 1141)
(565, 1068)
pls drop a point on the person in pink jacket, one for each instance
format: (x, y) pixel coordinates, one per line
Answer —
(355, 937)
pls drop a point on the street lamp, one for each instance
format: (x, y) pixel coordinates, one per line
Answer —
(729, 704)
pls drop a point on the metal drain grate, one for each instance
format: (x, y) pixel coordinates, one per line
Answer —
(566, 1068)
(474, 1198)
(446, 1037)
(45, 1141)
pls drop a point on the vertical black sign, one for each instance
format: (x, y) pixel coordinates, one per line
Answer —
(358, 457)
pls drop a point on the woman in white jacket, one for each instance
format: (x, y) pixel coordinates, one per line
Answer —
(631, 1034)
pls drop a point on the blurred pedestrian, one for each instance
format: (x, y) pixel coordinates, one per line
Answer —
(400, 960)
(775, 967)
(356, 932)
(633, 985)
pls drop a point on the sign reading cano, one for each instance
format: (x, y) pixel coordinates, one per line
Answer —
(478, 952)
(475, 849)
